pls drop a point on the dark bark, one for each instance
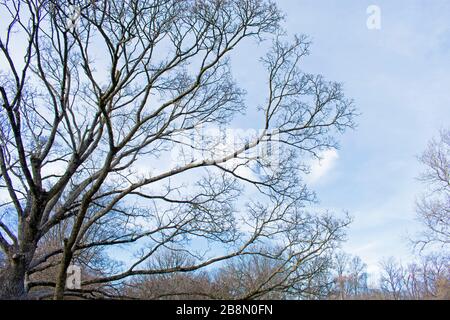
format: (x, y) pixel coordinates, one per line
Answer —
(12, 280)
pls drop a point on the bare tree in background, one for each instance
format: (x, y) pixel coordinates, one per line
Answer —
(341, 260)
(93, 262)
(247, 277)
(358, 277)
(392, 280)
(433, 209)
(93, 101)
(425, 279)
(428, 278)
(349, 275)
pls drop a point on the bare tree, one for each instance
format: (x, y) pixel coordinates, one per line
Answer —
(341, 260)
(433, 209)
(392, 280)
(358, 276)
(349, 277)
(428, 278)
(94, 100)
(172, 286)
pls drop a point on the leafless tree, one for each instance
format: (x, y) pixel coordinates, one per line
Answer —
(198, 285)
(392, 280)
(95, 98)
(349, 277)
(341, 260)
(428, 278)
(433, 209)
(358, 276)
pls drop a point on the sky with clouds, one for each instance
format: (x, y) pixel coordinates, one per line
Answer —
(399, 77)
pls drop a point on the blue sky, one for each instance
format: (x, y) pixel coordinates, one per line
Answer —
(399, 77)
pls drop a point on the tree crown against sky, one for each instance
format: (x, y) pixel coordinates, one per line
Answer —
(88, 98)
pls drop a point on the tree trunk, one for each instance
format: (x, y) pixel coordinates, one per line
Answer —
(62, 274)
(12, 281)
(12, 278)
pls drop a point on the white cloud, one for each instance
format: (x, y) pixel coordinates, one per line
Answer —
(321, 167)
